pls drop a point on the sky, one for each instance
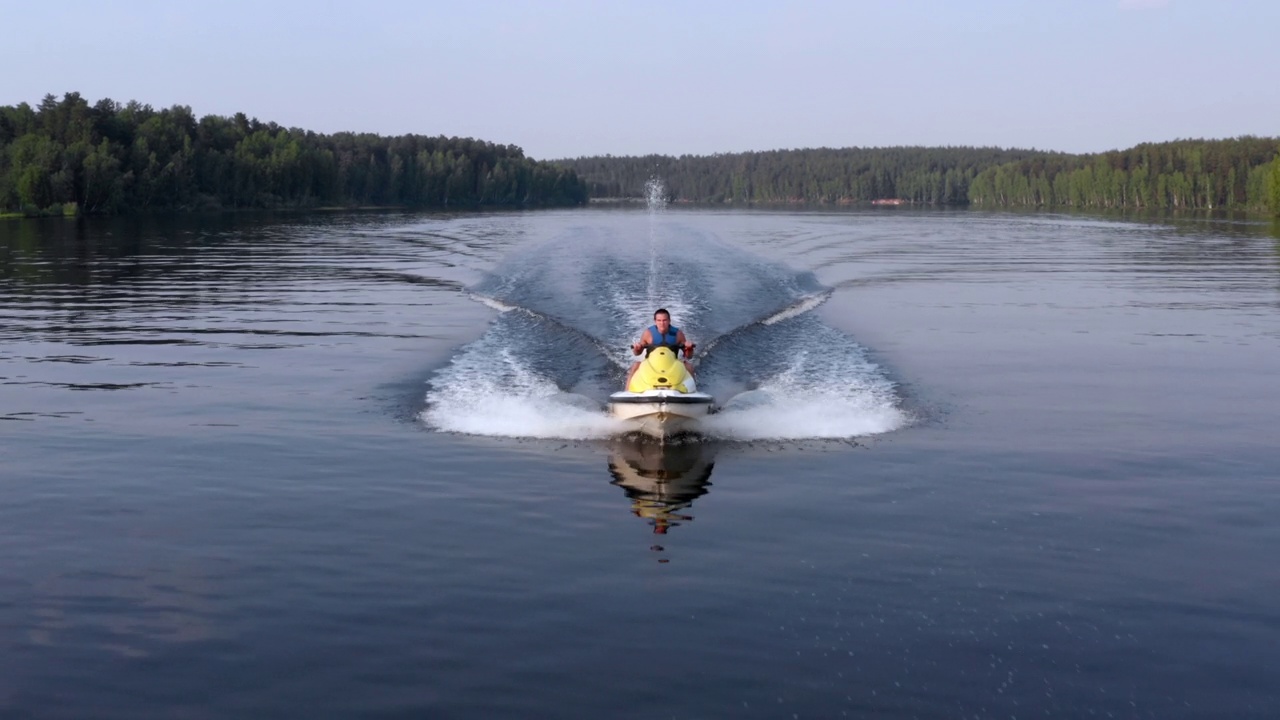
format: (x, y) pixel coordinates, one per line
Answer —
(571, 78)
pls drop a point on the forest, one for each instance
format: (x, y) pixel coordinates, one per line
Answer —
(1236, 174)
(849, 175)
(69, 157)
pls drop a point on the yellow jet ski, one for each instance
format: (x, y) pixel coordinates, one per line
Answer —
(662, 398)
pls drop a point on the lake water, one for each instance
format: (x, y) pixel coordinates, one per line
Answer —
(354, 465)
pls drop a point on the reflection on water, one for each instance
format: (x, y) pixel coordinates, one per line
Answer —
(662, 480)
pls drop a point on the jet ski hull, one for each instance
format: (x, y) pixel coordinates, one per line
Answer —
(661, 413)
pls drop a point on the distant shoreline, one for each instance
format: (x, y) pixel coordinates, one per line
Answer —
(1235, 174)
(67, 157)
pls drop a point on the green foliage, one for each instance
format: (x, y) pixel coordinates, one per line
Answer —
(1273, 192)
(1191, 174)
(66, 156)
(1185, 174)
(848, 175)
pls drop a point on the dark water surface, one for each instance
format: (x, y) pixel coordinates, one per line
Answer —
(969, 465)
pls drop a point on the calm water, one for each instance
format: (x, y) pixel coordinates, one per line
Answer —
(968, 465)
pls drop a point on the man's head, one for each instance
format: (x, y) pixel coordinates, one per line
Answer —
(662, 319)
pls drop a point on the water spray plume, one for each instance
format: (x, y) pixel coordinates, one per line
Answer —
(655, 194)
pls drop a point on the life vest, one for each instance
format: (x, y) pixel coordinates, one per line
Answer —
(671, 340)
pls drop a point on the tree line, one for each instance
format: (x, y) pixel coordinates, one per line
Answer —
(67, 156)
(1241, 173)
(824, 175)
(1236, 174)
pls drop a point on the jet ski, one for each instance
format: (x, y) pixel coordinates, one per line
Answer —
(662, 398)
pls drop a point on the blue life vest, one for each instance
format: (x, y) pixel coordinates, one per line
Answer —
(671, 340)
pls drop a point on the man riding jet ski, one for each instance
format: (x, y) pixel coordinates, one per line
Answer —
(662, 397)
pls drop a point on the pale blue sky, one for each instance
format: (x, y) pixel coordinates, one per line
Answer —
(564, 78)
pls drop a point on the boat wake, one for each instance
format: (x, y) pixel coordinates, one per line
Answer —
(568, 309)
(518, 380)
(820, 385)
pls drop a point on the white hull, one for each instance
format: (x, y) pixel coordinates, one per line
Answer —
(661, 413)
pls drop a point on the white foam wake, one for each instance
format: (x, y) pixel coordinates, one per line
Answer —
(483, 393)
(829, 396)
(493, 303)
(789, 415)
(798, 308)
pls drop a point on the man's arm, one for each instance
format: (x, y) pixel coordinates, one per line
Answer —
(645, 340)
(688, 346)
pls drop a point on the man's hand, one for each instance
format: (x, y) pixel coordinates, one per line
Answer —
(688, 349)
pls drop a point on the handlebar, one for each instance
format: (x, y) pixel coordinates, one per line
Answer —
(637, 348)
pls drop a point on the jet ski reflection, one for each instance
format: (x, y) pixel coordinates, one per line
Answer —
(662, 480)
